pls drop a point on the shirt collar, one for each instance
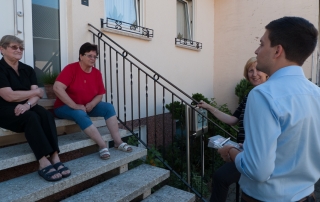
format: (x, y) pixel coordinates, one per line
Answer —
(5, 64)
(287, 71)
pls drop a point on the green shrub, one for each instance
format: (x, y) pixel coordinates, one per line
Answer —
(175, 153)
(49, 78)
(198, 97)
(177, 110)
(242, 89)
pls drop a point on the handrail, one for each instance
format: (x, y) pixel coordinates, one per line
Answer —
(156, 76)
(124, 71)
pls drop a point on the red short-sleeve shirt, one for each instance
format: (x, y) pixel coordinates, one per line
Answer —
(82, 87)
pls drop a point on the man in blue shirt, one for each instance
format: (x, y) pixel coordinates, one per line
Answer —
(281, 156)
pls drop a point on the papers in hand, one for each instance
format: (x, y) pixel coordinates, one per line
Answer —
(218, 141)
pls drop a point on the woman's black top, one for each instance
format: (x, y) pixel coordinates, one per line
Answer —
(239, 113)
(21, 82)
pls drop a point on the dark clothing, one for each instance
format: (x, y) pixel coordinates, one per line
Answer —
(226, 175)
(38, 126)
(239, 114)
(9, 78)
(37, 123)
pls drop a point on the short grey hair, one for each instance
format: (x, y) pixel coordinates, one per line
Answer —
(7, 39)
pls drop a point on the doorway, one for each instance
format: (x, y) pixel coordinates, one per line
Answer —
(46, 37)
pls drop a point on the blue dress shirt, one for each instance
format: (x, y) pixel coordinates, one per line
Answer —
(281, 157)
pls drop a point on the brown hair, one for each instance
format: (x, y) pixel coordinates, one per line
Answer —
(296, 35)
(87, 47)
(7, 39)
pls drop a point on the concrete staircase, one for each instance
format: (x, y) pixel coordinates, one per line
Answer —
(126, 185)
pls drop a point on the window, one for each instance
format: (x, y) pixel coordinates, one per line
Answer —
(184, 19)
(125, 17)
(46, 37)
(123, 10)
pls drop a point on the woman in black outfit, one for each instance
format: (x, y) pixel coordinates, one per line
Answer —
(228, 173)
(19, 95)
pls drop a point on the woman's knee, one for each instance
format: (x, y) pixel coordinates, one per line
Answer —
(105, 110)
(32, 118)
(43, 113)
(66, 112)
(81, 118)
(218, 177)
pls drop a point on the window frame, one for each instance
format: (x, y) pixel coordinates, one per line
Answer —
(111, 26)
(138, 9)
(189, 11)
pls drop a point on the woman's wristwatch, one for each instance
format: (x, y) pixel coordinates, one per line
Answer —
(29, 104)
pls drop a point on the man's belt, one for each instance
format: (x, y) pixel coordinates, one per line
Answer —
(310, 198)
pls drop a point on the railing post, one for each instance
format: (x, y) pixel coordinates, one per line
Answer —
(187, 142)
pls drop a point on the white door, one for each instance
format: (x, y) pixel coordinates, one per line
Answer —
(16, 19)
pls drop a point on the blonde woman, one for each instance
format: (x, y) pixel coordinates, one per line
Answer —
(228, 173)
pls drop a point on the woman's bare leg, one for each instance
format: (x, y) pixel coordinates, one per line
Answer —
(112, 124)
(94, 134)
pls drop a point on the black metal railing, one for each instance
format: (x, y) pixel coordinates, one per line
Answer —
(188, 43)
(126, 27)
(142, 97)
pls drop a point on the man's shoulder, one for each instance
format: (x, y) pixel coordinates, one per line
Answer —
(287, 86)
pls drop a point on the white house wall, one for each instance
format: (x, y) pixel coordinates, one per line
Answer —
(190, 70)
(238, 27)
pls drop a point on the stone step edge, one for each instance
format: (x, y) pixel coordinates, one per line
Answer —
(124, 187)
(168, 193)
(21, 154)
(32, 187)
(97, 121)
(46, 103)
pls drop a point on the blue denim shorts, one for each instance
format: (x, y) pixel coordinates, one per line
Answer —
(102, 109)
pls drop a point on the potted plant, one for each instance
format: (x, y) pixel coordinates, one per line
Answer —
(48, 80)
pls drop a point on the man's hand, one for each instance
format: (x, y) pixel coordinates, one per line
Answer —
(224, 152)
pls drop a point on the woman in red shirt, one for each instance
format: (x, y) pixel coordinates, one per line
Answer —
(79, 89)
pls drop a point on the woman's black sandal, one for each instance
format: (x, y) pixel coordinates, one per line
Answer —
(45, 174)
(57, 165)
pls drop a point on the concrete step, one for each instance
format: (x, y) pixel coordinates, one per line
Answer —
(97, 121)
(124, 187)
(20, 154)
(168, 194)
(32, 187)
(47, 103)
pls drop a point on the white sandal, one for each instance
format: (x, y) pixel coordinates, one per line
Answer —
(124, 147)
(104, 154)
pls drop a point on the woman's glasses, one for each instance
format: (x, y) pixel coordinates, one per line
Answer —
(91, 56)
(16, 47)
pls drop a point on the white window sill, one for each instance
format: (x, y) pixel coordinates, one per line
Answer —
(124, 33)
(188, 47)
